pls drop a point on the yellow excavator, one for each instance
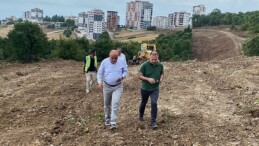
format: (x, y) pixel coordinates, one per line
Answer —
(143, 54)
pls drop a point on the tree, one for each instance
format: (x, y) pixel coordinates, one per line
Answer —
(67, 32)
(151, 28)
(68, 23)
(68, 49)
(27, 42)
(47, 19)
(251, 47)
(57, 18)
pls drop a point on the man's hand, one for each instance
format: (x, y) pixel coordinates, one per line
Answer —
(100, 86)
(151, 80)
(120, 79)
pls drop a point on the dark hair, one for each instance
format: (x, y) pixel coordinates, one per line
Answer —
(92, 51)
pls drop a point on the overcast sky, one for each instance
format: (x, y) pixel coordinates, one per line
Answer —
(161, 7)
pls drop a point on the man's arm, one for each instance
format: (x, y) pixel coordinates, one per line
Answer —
(125, 71)
(100, 73)
(161, 77)
(142, 77)
(100, 76)
(162, 74)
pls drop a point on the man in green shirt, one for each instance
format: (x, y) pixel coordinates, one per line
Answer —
(151, 73)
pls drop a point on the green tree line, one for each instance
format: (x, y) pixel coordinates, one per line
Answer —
(247, 21)
(27, 43)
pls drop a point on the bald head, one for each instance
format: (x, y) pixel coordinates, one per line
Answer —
(114, 56)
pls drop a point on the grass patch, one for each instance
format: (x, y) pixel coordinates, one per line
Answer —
(132, 37)
(99, 117)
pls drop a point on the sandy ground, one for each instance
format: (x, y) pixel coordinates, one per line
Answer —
(5, 30)
(137, 36)
(51, 34)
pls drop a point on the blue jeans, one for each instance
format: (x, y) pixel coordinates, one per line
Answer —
(144, 99)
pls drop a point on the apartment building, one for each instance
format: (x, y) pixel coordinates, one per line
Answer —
(82, 20)
(199, 10)
(160, 22)
(95, 24)
(35, 15)
(112, 20)
(10, 19)
(139, 14)
(179, 19)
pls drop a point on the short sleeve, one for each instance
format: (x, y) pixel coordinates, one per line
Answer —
(142, 68)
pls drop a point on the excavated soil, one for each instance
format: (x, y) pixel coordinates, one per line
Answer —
(201, 103)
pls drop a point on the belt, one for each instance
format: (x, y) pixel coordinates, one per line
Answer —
(112, 85)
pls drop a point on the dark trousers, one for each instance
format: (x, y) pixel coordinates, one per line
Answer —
(144, 99)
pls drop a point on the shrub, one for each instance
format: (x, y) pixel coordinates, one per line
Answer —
(251, 47)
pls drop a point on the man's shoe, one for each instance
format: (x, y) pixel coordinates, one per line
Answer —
(107, 123)
(140, 119)
(113, 126)
(154, 125)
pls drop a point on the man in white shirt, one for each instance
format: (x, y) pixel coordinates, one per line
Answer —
(121, 55)
(110, 77)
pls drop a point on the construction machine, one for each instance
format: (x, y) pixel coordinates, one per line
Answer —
(143, 54)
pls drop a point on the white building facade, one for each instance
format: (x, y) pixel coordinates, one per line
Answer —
(35, 15)
(199, 10)
(179, 19)
(139, 14)
(160, 22)
(91, 24)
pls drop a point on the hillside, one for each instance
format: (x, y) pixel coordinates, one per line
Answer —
(207, 101)
(133, 35)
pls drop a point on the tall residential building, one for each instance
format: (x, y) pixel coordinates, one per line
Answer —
(82, 20)
(139, 14)
(35, 15)
(160, 22)
(171, 20)
(199, 10)
(95, 24)
(112, 20)
(179, 19)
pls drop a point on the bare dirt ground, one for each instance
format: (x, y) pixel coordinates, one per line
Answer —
(5, 30)
(51, 34)
(201, 103)
(137, 36)
(211, 44)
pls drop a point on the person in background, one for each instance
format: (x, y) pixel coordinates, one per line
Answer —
(110, 77)
(151, 73)
(121, 55)
(90, 69)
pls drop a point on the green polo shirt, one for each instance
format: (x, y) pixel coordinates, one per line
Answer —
(151, 71)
